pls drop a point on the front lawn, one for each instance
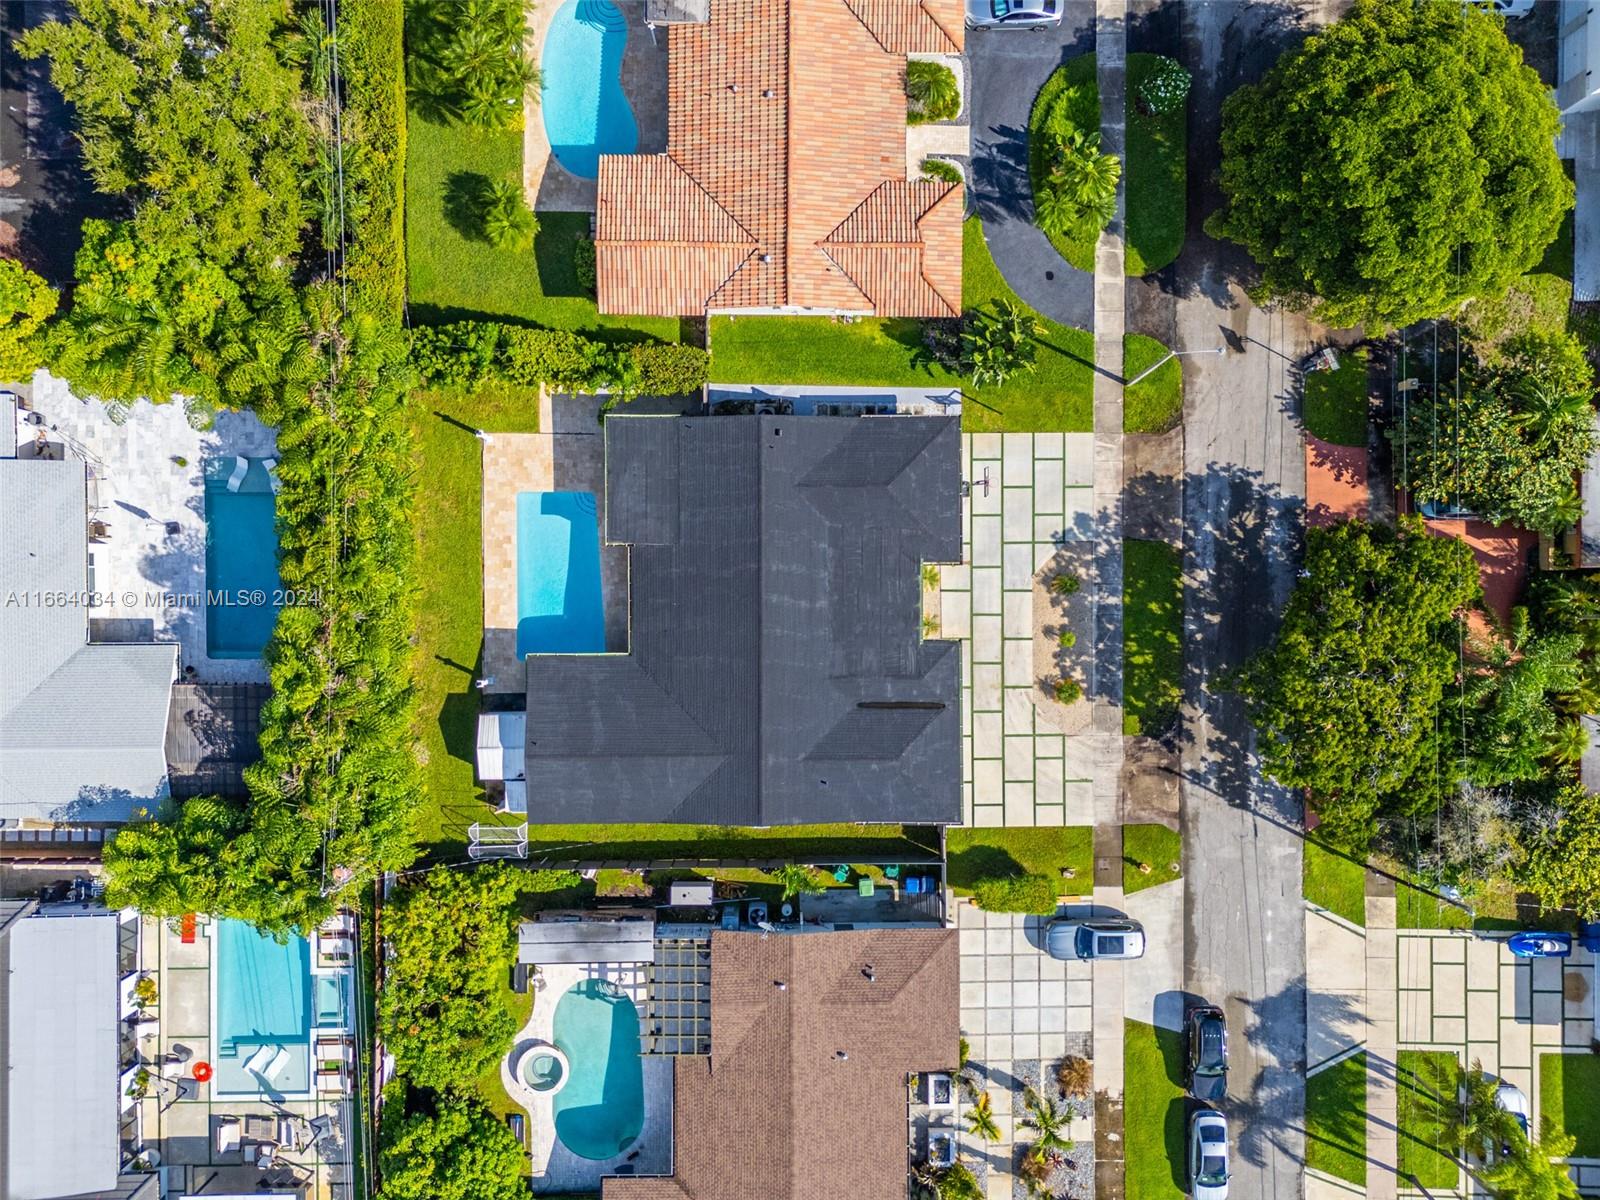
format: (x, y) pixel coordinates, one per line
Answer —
(1152, 635)
(1335, 882)
(1427, 1090)
(1155, 403)
(974, 855)
(1336, 401)
(867, 352)
(1153, 1112)
(1568, 1087)
(1336, 1120)
(455, 274)
(1072, 94)
(1157, 177)
(1154, 846)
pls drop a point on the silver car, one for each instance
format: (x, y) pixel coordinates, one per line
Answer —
(1013, 14)
(1070, 937)
(1208, 1155)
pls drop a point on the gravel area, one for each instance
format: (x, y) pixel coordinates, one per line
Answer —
(1074, 1179)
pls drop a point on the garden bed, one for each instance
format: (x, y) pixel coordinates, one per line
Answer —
(1072, 92)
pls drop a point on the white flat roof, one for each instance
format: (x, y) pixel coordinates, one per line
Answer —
(61, 1056)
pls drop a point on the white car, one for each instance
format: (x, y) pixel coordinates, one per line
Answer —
(1013, 14)
(1508, 1096)
(1067, 938)
(1208, 1155)
(1507, 8)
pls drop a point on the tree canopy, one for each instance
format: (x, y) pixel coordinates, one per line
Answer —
(1398, 162)
(461, 1151)
(26, 303)
(1347, 698)
(1562, 866)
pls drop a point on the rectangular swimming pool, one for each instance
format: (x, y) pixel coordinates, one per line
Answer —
(262, 995)
(242, 583)
(559, 604)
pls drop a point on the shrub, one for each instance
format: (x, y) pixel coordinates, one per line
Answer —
(666, 369)
(932, 93)
(1066, 638)
(458, 1151)
(938, 168)
(26, 303)
(1164, 89)
(942, 338)
(1065, 583)
(372, 120)
(1067, 689)
(558, 357)
(461, 354)
(1017, 893)
(797, 880)
(508, 222)
(583, 265)
(1075, 1077)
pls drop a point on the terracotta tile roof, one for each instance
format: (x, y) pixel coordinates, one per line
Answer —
(773, 1112)
(786, 121)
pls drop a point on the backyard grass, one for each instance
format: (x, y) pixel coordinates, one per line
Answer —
(1428, 1082)
(455, 274)
(1336, 1120)
(1152, 634)
(1493, 904)
(1155, 403)
(1156, 176)
(1334, 882)
(1569, 1085)
(1335, 404)
(974, 855)
(1153, 1111)
(869, 352)
(1058, 394)
(1157, 847)
(1073, 88)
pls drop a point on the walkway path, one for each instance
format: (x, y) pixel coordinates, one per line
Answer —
(1383, 1145)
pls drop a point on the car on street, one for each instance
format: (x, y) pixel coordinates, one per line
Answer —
(1084, 938)
(1208, 1155)
(1207, 1058)
(1013, 14)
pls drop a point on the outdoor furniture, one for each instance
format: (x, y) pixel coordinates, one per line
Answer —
(227, 1135)
(99, 531)
(273, 481)
(256, 1064)
(240, 467)
(891, 872)
(260, 1129)
(841, 873)
(864, 887)
(274, 1068)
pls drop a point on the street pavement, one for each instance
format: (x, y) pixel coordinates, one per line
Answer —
(1007, 67)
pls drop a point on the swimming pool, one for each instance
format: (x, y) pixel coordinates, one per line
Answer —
(559, 606)
(600, 1111)
(262, 993)
(586, 113)
(242, 584)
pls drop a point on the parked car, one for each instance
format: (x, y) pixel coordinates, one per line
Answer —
(1207, 1061)
(1208, 1155)
(1013, 14)
(1531, 944)
(1512, 8)
(1070, 937)
(1509, 1096)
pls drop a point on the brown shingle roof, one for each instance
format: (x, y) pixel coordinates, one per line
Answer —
(773, 1112)
(785, 117)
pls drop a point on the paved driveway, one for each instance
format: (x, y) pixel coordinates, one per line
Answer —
(1007, 68)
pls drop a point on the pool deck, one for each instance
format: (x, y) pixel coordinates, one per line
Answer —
(555, 1168)
(571, 459)
(548, 186)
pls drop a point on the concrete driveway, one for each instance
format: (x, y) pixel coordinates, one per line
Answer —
(1007, 67)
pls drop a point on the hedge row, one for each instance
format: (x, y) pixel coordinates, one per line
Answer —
(372, 63)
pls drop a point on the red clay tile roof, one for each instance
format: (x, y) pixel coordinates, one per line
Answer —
(773, 1112)
(786, 127)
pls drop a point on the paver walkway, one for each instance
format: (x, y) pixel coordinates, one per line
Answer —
(1383, 1146)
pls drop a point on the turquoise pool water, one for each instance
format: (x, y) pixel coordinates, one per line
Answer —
(600, 1112)
(242, 584)
(586, 113)
(559, 607)
(263, 998)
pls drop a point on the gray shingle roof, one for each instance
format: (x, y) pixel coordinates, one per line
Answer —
(82, 725)
(776, 672)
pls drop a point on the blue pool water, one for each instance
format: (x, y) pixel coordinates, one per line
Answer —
(263, 998)
(600, 1112)
(559, 609)
(586, 113)
(241, 561)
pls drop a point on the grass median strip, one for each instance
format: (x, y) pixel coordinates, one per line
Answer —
(1427, 1088)
(1155, 403)
(1152, 632)
(1336, 1120)
(1154, 847)
(1153, 1111)
(1569, 1095)
(1157, 176)
(1335, 404)
(1335, 882)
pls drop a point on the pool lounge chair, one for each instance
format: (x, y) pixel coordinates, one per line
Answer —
(240, 467)
(256, 1064)
(280, 1060)
(271, 464)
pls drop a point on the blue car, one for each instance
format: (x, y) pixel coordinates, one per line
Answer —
(1532, 944)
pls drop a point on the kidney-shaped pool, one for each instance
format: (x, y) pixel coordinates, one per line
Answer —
(600, 1111)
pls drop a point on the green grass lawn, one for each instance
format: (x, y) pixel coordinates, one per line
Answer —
(1336, 401)
(870, 352)
(454, 274)
(1155, 403)
(1153, 1111)
(1336, 1120)
(1156, 175)
(1334, 882)
(1156, 846)
(1075, 88)
(1152, 635)
(978, 854)
(1428, 1081)
(1569, 1088)
(1493, 903)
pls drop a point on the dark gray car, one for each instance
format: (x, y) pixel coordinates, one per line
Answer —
(1207, 1065)
(1071, 937)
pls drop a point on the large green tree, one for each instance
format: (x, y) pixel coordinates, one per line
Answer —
(1562, 866)
(1398, 162)
(1347, 698)
(1509, 446)
(461, 1151)
(26, 303)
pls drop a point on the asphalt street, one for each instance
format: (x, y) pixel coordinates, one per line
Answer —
(1007, 67)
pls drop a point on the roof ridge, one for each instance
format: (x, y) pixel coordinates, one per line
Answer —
(709, 195)
(955, 46)
(845, 271)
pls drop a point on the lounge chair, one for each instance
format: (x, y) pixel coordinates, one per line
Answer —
(271, 464)
(240, 467)
(256, 1064)
(227, 1135)
(280, 1060)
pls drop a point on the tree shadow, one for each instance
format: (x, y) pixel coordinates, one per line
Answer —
(965, 868)
(466, 194)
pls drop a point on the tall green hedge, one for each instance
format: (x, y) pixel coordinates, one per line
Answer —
(372, 62)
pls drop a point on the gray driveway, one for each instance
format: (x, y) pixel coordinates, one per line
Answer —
(1243, 489)
(1007, 68)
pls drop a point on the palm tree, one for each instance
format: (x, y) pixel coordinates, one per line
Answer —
(1569, 742)
(1563, 513)
(1479, 1121)
(796, 879)
(931, 88)
(1530, 1172)
(508, 222)
(980, 1119)
(1546, 408)
(1048, 1120)
(1001, 343)
(1081, 188)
